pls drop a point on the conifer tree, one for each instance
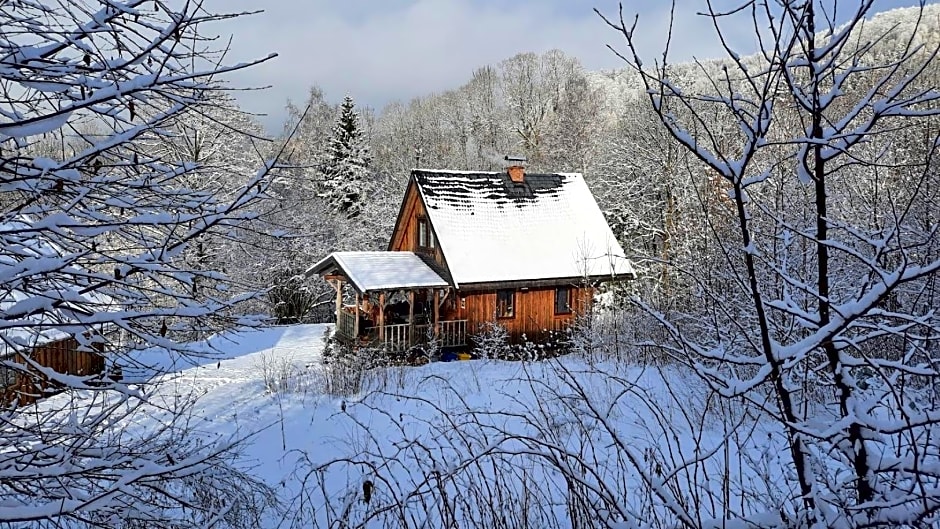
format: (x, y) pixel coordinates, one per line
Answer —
(347, 163)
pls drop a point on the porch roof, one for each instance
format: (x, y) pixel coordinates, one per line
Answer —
(376, 271)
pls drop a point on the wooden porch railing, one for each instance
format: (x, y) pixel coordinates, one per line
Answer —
(346, 324)
(397, 337)
(453, 333)
(400, 337)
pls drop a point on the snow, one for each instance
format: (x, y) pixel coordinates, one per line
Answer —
(35, 126)
(489, 231)
(374, 271)
(414, 422)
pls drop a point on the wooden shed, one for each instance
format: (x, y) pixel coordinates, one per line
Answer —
(21, 370)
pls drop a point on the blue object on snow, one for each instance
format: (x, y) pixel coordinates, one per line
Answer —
(449, 356)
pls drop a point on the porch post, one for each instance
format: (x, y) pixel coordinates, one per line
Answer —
(381, 319)
(356, 321)
(411, 317)
(437, 299)
(339, 298)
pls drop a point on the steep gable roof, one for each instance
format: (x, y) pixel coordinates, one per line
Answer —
(491, 229)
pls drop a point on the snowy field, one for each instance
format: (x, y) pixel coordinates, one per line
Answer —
(439, 444)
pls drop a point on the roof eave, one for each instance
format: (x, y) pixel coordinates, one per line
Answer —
(401, 210)
(318, 267)
(547, 282)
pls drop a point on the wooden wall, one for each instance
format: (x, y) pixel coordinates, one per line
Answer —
(534, 317)
(62, 356)
(404, 238)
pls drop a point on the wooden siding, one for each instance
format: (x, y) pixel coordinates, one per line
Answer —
(534, 317)
(62, 356)
(405, 235)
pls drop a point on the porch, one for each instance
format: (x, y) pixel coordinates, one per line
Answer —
(390, 300)
(400, 337)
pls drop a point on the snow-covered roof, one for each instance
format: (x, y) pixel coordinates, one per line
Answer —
(51, 309)
(491, 229)
(374, 271)
(29, 332)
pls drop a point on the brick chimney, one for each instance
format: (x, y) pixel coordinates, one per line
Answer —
(515, 167)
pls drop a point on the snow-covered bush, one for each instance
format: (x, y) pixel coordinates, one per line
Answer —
(281, 374)
(293, 297)
(346, 368)
(492, 341)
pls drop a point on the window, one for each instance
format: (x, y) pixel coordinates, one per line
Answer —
(425, 235)
(422, 233)
(505, 303)
(562, 300)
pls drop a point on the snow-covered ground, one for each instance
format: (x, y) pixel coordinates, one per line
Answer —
(423, 439)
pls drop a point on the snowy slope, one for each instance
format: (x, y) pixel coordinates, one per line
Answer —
(439, 420)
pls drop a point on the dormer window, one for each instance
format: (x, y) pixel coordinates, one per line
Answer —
(425, 235)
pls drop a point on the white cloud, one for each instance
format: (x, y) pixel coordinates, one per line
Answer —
(383, 50)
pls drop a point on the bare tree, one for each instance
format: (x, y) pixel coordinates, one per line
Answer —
(93, 233)
(819, 109)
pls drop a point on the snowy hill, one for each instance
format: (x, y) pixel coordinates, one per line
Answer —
(427, 442)
(623, 88)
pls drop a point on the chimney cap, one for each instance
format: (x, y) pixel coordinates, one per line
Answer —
(515, 159)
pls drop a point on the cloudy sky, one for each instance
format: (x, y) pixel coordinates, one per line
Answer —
(380, 51)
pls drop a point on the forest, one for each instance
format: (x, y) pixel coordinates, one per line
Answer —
(780, 207)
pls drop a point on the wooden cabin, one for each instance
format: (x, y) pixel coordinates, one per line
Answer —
(43, 347)
(26, 383)
(48, 339)
(522, 250)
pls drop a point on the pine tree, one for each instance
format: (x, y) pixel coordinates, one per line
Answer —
(347, 163)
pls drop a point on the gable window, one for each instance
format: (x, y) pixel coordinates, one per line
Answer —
(505, 303)
(425, 235)
(562, 300)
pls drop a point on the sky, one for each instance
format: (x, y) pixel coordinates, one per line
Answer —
(379, 51)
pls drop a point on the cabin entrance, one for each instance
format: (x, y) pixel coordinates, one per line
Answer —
(399, 320)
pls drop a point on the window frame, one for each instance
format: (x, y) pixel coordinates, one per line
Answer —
(421, 235)
(429, 242)
(511, 312)
(567, 308)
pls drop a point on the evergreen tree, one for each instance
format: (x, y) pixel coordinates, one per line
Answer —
(347, 163)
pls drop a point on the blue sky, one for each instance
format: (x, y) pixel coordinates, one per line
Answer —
(379, 51)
